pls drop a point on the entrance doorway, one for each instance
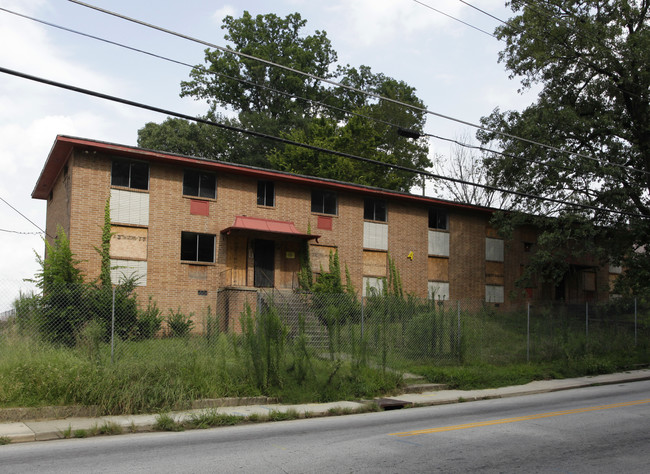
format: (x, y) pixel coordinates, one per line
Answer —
(264, 261)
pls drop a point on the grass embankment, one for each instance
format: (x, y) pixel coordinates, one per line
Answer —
(491, 376)
(166, 374)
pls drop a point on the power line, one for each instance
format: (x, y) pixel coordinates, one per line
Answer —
(412, 134)
(24, 216)
(287, 94)
(482, 11)
(9, 231)
(455, 19)
(331, 82)
(307, 146)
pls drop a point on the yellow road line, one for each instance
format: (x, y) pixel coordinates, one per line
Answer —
(518, 418)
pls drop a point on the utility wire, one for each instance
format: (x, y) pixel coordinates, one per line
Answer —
(455, 19)
(311, 101)
(307, 146)
(24, 217)
(20, 233)
(287, 94)
(483, 11)
(334, 83)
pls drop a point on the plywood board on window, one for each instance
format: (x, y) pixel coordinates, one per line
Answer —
(128, 243)
(494, 272)
(236, 260)
(589, 280)
(438, 269)
(320, 257)
(374, 263)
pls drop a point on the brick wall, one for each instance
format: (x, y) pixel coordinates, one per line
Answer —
(78, 200)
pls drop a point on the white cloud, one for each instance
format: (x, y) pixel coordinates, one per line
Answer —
(222, 12)
(383, 21)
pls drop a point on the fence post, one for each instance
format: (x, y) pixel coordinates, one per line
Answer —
(113, 327)
(635, 327)
(528, 334)
(362, 307)
(458, 341)
(587, 323)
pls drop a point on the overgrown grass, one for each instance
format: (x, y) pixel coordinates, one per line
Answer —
(492, 376)
(463, 349)
(166, 374)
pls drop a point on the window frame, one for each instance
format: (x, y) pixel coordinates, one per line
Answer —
(130, 178)
(264, 196)
(318, 202)
(200, 175)
(368, 202)
(185, 237)
(438, 212)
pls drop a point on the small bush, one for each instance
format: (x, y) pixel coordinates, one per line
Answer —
(149, 321)
(179, 324)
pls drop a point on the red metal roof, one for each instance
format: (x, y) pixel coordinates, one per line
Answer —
(63, 146)
(245, 223)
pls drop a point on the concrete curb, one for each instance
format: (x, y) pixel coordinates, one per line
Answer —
(42, 430)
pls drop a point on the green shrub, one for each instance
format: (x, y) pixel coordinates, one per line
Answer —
(149, 321)
(179, 324)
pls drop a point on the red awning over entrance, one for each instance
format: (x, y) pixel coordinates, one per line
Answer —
(255, 224)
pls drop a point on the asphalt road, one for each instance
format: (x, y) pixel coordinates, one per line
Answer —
(596, 429)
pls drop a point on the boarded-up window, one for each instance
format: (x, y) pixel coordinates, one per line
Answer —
(372, 286)
(320, 257)
(439, 290)
(128, 243)
(589, 280)
(129, 207)
(375, 236)
(615, 269)
(493, 250)
(374, 263)
(122, 269)
(494, 273)
(439, 243)
(494, 294)
(438, 269)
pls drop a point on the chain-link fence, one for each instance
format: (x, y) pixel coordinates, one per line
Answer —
(111, 324)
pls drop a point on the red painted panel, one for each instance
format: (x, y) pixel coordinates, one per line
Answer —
(324, 223)
(200, 208)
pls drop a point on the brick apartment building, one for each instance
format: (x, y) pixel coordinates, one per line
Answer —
(195, 230)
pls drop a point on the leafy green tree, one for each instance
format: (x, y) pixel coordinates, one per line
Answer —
(278, 102)
(193, 139)
(63, 292)
(591, 59)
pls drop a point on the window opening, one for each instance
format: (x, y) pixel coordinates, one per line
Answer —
(130, 174)
(265, 193)
(323, 202)
(199, 184)
(438, 219)
(374, 209)
(197, 247)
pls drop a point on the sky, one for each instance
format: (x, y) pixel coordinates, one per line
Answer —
(453, 67)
